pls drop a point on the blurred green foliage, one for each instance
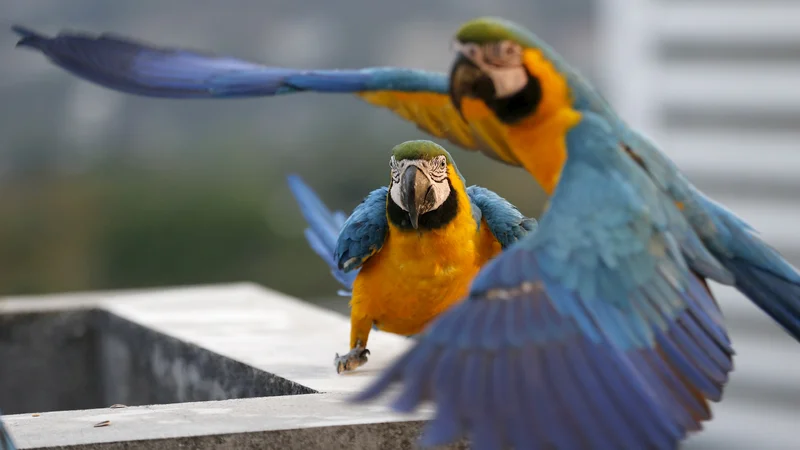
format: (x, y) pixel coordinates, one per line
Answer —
(220, 213)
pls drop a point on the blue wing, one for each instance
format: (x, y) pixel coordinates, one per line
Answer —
(506, 223)
(323, 229)
(364, 232)
(759, 271)
(137, 68)
(5, 439)
(590, 333)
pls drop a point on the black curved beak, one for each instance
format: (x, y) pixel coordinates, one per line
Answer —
(465, 79)
(416, 193)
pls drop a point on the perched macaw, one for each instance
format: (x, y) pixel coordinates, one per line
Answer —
(597, 330)
(5, 439)
(410, 250)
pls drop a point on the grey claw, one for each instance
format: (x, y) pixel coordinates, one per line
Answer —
(355, 358)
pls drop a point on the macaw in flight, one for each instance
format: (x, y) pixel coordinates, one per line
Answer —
(596, 331)
(5, 439)
(410, 250)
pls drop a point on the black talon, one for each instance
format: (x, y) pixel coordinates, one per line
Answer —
(352, 360)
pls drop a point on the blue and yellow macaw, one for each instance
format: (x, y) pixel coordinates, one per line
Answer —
(598, 330)
(410, 250)
(5, 439)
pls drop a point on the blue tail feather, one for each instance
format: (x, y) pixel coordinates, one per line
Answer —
(323, 229)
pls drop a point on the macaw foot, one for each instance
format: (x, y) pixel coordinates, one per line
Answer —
(357, 357)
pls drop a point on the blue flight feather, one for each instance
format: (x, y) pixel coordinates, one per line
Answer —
(506, 223)
(323, 228)
(138, 68)
(760, 272)
(548, 353)
(364, 232)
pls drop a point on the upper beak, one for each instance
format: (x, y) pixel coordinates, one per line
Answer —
(416, 193)
(464, 74)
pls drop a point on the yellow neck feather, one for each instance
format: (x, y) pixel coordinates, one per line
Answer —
(541, 148)
(539, 142)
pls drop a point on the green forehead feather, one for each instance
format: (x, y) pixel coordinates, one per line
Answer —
(485, 30)
(423, 149)
(419, 150)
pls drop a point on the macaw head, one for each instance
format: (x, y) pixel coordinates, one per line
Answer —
(421, 192)
(507, 68)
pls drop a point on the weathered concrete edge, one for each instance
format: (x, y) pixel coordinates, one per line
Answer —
(97, 299)
(262, 328)
(231, 424)
(385, 436)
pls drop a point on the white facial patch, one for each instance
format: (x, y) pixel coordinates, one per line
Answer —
(507, 80)
(435, 170)
(500, 61)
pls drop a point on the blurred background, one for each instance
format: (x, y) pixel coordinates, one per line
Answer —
(101, 190)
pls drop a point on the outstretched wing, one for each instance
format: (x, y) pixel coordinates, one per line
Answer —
(5, 439)
(506, 223)
(323, 229)
(591, 332)
(364, 232)
(137, 68)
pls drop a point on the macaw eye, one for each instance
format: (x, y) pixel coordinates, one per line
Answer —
(442, 163)
(505, 53)
(507, 48)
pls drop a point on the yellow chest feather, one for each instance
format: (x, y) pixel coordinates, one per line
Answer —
(417, 275)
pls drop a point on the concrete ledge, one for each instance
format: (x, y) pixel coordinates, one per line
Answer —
(314, 421)
(187, 343)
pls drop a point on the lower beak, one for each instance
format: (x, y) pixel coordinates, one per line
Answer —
(464, 74)
(416, 193)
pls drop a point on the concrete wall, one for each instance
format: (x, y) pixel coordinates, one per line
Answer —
(90, 358)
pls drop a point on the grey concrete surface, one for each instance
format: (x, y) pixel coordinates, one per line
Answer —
(47, 362)
(276, 422)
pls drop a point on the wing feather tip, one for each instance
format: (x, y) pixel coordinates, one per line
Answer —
(28, 37)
